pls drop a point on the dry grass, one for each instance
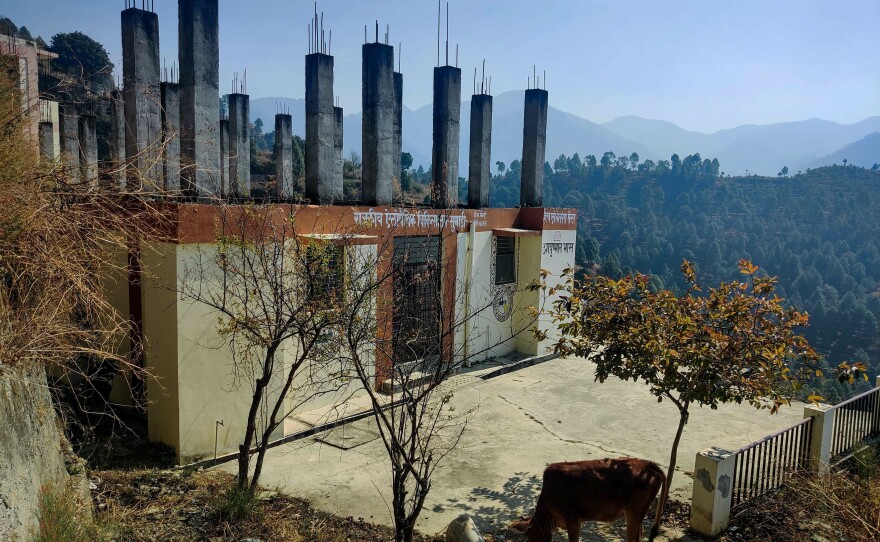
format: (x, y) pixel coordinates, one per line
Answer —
(177, 506)
(841, 507)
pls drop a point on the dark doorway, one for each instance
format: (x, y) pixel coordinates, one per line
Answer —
(416, 325)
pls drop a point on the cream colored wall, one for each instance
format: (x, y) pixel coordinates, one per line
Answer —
(114, 276)
(159, 262)
(529, 270)
(338, 382)
(486, 336)
(210, 387)
(555, 262)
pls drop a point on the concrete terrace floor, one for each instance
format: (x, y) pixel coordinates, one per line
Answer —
(520, 422)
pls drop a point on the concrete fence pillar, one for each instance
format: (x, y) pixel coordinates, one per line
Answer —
(713, 491)
(819, 453)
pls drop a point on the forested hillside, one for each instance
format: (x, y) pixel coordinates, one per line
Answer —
(819, 232)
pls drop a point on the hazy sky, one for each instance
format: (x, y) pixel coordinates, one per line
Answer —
(703, 64)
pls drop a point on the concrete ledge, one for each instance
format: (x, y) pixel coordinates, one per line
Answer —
(522, 364)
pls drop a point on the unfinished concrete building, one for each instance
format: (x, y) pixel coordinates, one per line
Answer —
(321, 185)
(397, 130)
(378, 123)
(117, 140)
(224, 158)
(447, 119)
(199, 59)
(487, 256)
(338, 140)
(87, 134)
(68, 129)
(239, 146)
(534, 147)
(143, 117)
(479, 170)
(170, 137)
(283, 187)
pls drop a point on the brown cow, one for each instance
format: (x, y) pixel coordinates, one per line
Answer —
(602, 490)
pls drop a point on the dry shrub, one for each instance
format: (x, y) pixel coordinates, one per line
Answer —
(843, 506)
(56, 238)
(64, 517)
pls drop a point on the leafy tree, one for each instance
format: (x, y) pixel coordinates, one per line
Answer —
(783, 172)
(299, 157)
(608, 159)
(500, 166)
(7, 27)
(24, 33)
(258, 127)
(83, 59)
(634, 160)
(735, 343)
(268, 287)
(224, 106)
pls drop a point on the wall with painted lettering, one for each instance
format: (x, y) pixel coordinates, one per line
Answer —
(557, 254)
(489, 331)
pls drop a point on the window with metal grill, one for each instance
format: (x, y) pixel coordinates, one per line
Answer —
(505, 260)
(326, 271)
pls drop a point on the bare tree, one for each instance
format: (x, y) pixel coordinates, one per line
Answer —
(276, 294)
(400, 314)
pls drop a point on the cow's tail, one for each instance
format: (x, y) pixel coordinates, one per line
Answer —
(661, 503)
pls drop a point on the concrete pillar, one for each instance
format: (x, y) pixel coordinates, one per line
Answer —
(68, 127)
(47, 141)
(199, 56)
(480, 173)
(143, 119)
(447, 113)
(239, 146)
(88, 148)
(534, 146)
(320, 130)
(117, 140)
(283, 188)
(713, 491)
(819, 454)
(397, 132)
(171, 137)
(338, 141)
(378, 124)
(224, 158)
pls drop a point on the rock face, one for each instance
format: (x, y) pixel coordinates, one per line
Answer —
(30, 449)
(462, 529)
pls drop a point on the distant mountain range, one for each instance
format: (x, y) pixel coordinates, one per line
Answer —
(763, 150)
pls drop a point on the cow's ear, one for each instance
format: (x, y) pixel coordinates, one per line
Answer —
(521, 525)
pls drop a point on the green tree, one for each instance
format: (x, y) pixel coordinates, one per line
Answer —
(501, 167)
(735, 343)
(634, 160)
(82, 59)
(299, 157)
(7, 27)
(258, 127)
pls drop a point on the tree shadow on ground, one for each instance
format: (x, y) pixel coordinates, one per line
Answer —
(493, 510)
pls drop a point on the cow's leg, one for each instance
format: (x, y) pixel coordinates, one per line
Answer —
(633, 526)
(574, 531)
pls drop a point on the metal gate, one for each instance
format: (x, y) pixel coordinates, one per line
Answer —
(416, 324)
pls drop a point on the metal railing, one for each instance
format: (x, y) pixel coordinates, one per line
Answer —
(855, 421)
(765, 465)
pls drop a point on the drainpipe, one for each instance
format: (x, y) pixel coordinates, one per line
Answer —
(469, 267)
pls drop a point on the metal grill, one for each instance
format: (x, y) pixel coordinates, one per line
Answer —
(766, 464)
(416, 325)
(855, 421)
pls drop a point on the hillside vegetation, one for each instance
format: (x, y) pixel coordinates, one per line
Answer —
(818, 231)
